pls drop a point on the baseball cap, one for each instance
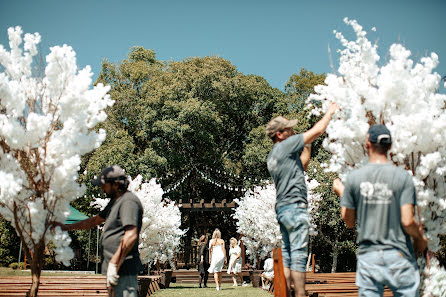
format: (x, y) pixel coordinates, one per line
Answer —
(380, 134)
(278, 124)
(109, 174)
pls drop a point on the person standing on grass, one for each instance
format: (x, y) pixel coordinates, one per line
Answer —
(217, 257)
(203, 266)
(123, 221)
(235, 261)
(381, 198)
(286, 162)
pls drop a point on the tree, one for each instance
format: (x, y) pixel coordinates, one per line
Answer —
(9, 244)
(403, 96)
(256, 221)
(46, 124)
(170, 117)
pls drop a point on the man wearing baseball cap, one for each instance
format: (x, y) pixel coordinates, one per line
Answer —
(380, 198)
(286, 162)
(123, 221)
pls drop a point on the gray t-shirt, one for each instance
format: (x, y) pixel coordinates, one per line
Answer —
(124, 211)
(377, 192)
(287, 171)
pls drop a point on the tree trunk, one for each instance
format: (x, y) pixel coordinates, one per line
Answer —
(36, 268)
(335, 257)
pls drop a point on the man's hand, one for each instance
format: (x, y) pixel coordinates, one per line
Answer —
(112, 275)
(55, 224)
(420, 245)
(333, 108)
(338, 187)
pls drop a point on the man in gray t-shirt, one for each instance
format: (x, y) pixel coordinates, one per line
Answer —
(286, 162)
(123, 221)
(380, 198)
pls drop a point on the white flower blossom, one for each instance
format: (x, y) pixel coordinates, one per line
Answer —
(45, 126)
(256, 218)
(403, 95)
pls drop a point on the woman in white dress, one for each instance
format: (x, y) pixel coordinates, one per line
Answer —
(235, 261)
(217, 257)
(268, 273)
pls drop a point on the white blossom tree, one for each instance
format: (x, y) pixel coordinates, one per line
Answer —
(256, 219)
(404, 96)
(46, 124)
(160, 234)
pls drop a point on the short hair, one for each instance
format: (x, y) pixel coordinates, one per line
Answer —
(232, 240)
(216, 234)
(381, 148)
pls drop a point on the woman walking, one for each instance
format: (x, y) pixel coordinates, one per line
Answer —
(203, 266)
(217, 257)
(235, 261)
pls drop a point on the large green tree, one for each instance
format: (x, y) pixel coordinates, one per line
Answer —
(172, 118)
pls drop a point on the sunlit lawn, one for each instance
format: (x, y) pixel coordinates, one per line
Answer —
(185, 290)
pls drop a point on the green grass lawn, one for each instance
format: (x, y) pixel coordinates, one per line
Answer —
(185, 290)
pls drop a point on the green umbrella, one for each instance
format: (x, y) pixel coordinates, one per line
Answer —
(75, 216)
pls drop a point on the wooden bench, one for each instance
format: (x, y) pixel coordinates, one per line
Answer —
(318, 284)
(73, 286)
(148, 285)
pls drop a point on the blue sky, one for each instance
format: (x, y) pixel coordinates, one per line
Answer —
(273, 39)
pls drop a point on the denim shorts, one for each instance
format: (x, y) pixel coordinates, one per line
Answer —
(127, 286)
(294, 225)
(387, 267)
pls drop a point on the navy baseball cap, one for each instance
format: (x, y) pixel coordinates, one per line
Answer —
(109, 174)
(380, 134)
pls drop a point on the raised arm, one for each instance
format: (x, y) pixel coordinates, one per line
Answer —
(319, 127)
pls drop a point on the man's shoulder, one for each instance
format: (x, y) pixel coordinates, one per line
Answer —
(130, 196)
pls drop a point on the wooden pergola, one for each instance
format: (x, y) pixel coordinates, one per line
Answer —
(202, 206)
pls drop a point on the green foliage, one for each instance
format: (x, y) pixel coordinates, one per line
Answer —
(16, 265)
(170, 117)
(9, 243)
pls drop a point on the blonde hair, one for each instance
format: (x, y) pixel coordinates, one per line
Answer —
(233, 240)
(216, 234)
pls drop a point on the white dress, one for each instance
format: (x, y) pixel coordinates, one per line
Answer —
(233, 252)
(217, 258)
(268, 268)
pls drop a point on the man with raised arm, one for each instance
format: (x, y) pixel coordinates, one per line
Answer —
(286, 162)
(381, 198)
(123, 221)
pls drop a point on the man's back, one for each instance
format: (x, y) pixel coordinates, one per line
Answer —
(377, 192)
(285, 167)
